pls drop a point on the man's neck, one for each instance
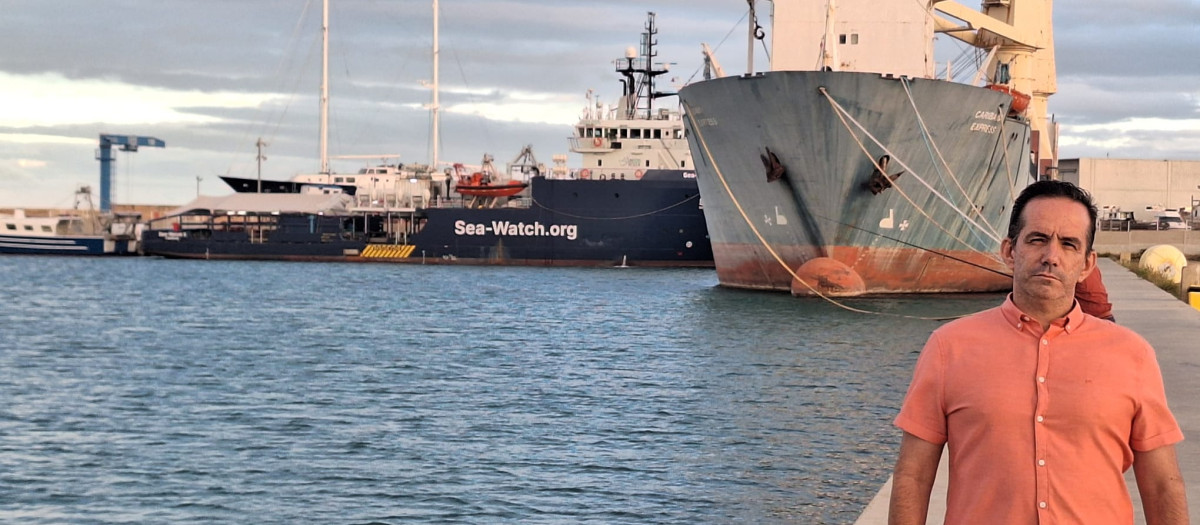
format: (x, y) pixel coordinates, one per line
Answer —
(1042, 311)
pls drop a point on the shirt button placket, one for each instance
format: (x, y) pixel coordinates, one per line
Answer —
(1043, 359)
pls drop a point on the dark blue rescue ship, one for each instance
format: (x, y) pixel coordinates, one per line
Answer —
(634, 201)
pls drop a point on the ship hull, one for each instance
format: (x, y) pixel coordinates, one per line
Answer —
(656, 221)
(294, 237)
(818, 227)
(243, 185)
(239, 247)
(65, 245)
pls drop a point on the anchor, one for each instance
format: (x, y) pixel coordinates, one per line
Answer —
(775, 169)
(880, 180)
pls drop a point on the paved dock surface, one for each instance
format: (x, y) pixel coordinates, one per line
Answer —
(1173, 328)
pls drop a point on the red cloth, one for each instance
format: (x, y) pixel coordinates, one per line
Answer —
(1040, 426)
(1093, 296)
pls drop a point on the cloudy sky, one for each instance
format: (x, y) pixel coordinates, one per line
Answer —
(211, 77)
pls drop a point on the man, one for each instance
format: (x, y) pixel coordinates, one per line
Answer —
(1093, 296)
(1042, 408)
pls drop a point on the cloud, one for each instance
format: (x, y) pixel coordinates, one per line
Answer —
(49, 99)
(35, 138)
(1101, 99)
(210, 78)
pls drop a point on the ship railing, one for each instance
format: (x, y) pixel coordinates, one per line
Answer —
(389, 202)
(588, 144)
(438, 201)
(458, 202)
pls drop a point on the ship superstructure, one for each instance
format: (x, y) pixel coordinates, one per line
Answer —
(623, 140)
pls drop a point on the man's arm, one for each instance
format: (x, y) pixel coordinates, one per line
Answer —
(1164, 498)
(912, 481)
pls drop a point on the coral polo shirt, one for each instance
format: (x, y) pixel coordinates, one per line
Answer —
(1039, 426)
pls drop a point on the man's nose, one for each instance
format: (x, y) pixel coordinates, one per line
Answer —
(1052, 255)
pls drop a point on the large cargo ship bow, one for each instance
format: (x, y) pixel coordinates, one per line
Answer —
(848, 169)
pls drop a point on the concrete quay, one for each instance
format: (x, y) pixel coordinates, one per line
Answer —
(1173, 328)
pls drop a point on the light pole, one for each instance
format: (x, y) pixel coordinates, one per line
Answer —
(198, 178)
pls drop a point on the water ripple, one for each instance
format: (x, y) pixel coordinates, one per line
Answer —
(145, 390)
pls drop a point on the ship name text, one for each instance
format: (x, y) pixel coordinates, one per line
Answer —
(988, 118)
(517, 229)
(989, 115)
(990, 129)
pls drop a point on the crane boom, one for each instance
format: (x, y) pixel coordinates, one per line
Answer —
(711, 66)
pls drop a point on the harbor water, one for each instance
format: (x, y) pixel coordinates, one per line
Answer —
(143, 390)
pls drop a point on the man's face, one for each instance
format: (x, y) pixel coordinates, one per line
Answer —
(1050, 256)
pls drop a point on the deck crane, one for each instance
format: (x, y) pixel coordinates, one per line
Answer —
(712, 68)
(127, 143)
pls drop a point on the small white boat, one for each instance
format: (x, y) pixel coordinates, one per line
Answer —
(85, 233)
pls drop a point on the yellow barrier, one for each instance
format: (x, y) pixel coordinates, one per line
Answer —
(388, 251)
(1194, 297)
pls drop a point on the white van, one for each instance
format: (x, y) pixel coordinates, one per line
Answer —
(1169, 220)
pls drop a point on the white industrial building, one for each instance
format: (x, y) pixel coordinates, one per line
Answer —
(1136, 185)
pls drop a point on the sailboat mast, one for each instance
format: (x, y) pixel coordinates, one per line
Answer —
(753, 23)
(325, 88)
(434, 107)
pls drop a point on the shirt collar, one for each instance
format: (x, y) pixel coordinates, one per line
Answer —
(1019, 320)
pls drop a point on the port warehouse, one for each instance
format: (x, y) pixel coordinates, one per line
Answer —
(1133, 185)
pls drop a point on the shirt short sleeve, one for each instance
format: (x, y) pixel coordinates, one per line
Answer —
(1153, 424)
(923, 413)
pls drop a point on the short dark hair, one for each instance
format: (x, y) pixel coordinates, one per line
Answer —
(1051, 188)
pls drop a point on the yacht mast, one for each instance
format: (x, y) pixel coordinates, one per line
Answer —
(325, 88)
(434, 107)
(753, 23)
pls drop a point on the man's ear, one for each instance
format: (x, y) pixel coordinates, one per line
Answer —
(1089, 264)
(1006, 248)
